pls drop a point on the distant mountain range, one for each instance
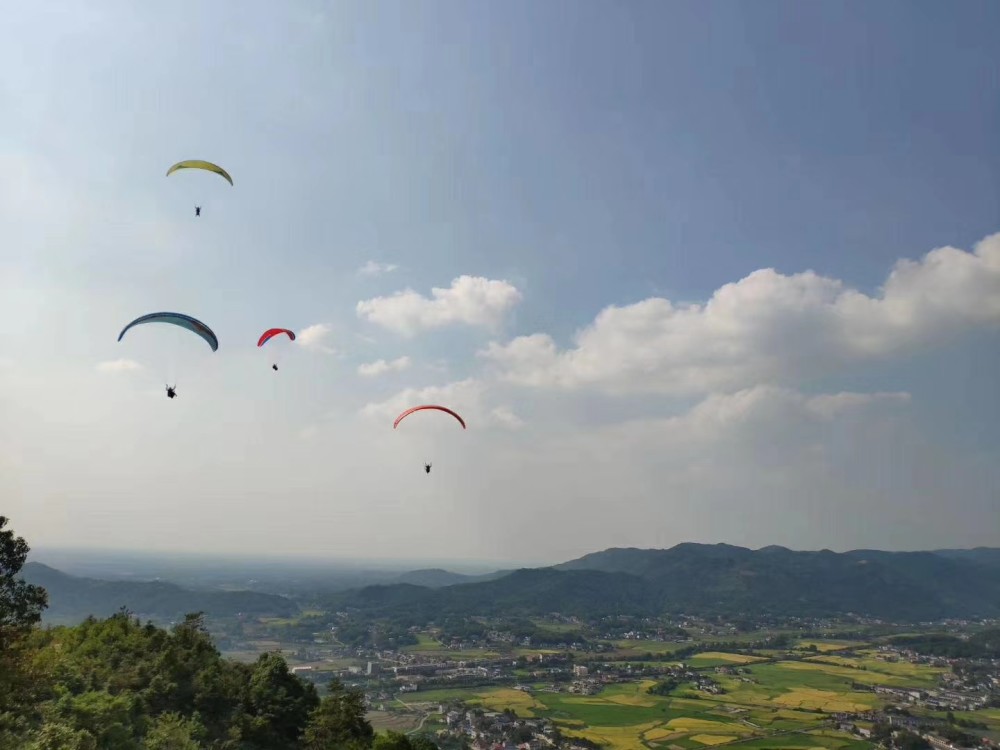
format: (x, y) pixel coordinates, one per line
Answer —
(688, 578)
(72, 598)
(719, 579)
(434, 578)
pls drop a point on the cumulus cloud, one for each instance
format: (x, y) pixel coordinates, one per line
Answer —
(763, 465)
(381, 367)
(470, 300)
(315, 337)
(765, 328)
(374, 268)
(468, 397)
(119, 365)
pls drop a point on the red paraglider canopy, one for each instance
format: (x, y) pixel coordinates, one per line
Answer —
(445, 409)
(271, 333)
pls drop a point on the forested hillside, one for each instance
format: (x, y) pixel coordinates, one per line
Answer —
(119, 684)
(712, 579)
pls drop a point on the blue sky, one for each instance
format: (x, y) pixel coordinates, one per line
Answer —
(542, 162)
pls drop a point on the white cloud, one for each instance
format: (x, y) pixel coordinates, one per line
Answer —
(381, 366)
(119, 365)
(466, 397)
(470, 300)
(374, 268)
(765, 328)
(503, 415)
(314, 337)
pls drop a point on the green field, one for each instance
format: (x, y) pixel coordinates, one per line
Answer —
(425, 643)
(828, 644)
(650, 647)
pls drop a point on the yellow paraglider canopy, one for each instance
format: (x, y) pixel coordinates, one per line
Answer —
(199, 164)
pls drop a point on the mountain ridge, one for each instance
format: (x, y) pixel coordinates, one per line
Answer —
(719, 579)
(75, 597)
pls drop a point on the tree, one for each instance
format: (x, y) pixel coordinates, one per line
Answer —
(338, 721)
(173, 732)
(422, 743)
(21, 606)
(277, 704)
(62, 737)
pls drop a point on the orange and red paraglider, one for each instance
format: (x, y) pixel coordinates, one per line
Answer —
(425, 407)
(411, 410)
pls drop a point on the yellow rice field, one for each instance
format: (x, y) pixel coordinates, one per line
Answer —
(825, 700)
(713, 739)
(732, 658)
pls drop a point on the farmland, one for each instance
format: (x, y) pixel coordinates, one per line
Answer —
(768, 704)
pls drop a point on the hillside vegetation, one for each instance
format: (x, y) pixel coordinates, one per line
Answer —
(117, 684)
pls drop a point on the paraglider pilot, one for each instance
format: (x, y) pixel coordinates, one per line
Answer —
(274, 367)
(197, 210)
(427, 468)
(171, 391)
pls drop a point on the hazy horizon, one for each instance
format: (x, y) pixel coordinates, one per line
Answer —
(709, 272)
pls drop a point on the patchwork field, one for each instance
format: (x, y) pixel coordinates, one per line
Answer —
(627, 717)
(783, 705)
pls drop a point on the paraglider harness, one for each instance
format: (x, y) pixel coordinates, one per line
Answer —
(171, 391)
(427, 468)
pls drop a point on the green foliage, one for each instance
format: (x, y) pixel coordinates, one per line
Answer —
(982, 645)
(171, 731)
(21, 606)
(117, 684)
(391, 741)
(276, 705)
(339, 721)
(62, 737)
(664, 687)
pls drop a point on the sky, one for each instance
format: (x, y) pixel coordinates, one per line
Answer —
(710, 272)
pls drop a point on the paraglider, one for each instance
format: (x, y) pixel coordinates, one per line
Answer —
(413, 409)
(200, 164)
(178, 319)
(408, 412)
(269, 334)
(184, 321)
